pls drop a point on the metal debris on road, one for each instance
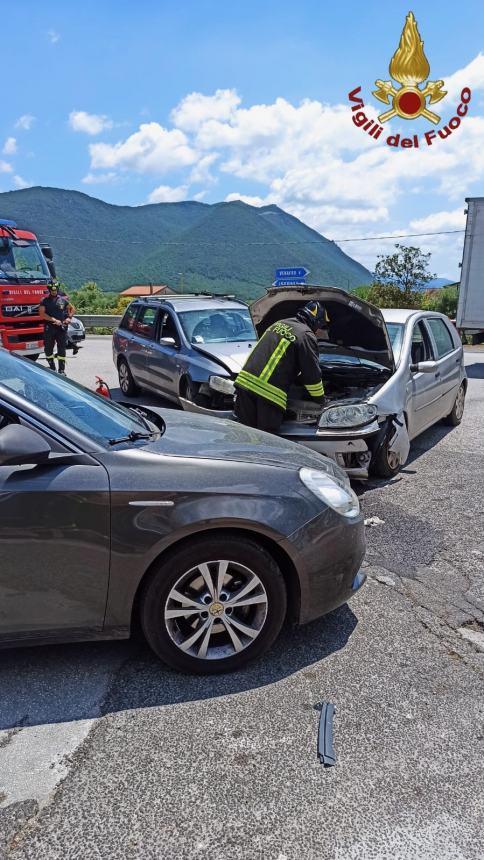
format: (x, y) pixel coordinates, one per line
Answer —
(374, 521)
(326, 751)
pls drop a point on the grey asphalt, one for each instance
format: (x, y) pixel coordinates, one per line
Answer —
(105, 753)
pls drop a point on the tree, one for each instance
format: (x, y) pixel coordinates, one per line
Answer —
(407, 270)
(390, 296)
(89, 299)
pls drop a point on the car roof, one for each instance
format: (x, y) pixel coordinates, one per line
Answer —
(197, 303)
(402, 315)
(399, 315)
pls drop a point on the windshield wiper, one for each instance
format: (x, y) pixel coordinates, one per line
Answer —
(133, 436)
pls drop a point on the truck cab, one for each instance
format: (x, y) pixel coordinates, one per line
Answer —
(26, 268)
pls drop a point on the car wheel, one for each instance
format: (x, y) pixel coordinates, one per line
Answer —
(126, 382)
(386, 463)
(454, 418)
(212, 606)
(190, 391)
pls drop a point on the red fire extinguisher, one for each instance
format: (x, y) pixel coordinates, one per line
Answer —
(102, 387)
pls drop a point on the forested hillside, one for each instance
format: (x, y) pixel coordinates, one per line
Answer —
(222, 247)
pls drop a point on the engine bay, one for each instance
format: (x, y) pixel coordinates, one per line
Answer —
(347, 379)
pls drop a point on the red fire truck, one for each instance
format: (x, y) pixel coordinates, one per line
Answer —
(25, 270)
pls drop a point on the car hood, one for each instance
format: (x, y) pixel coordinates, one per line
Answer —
(230, 356)
(354, 324)
(191, 435)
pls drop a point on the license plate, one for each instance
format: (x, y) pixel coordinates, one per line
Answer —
(31, 344)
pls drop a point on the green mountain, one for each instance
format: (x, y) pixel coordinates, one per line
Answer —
(224, 247)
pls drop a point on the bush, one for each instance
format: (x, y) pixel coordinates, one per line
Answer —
(444, 301)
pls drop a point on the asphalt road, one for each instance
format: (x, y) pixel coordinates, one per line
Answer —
(105, 753)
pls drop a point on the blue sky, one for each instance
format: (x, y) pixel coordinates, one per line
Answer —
(214, 100)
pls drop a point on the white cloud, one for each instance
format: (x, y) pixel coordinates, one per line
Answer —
(471, 76)
(152, 149)
(167, 194)
(20, 182)
(201, 171)
(454, 220)
(89, 123)
(25, 121)
(10, 146)
(5, 167)
(197, 108)
(99, 178)
(53, 36)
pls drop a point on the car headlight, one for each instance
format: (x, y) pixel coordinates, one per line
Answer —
(338, 495)
(222, 385)
(353, 415)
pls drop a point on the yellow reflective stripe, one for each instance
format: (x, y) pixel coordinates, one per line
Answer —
(262, 388)
(315, 390)
(274, 360)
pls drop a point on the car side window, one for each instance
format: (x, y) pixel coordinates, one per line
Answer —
(168, 328)
(129, 317)
(145, 324)
(421, 345)
(442, 337)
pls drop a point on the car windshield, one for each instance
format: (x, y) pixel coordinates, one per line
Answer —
(22, 259)
(95, 417)
(218, 325)
(395, 333)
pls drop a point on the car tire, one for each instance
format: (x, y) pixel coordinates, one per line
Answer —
(454, 418)
(126, 382)
(33, 357)
(221, 645)
(385, 464)
(190, 391)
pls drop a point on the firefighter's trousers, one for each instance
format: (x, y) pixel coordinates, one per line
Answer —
(257, 412)
(55, 335)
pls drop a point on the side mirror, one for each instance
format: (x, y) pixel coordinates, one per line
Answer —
(424, 367)
(21, 446)
(51, 268)
(47, 252)
(168, 341)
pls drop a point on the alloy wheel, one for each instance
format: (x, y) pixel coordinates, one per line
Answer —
(123, 377)
(216, 609)
(459, 403)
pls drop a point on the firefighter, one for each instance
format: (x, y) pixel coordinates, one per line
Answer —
(56, 312)
(287, 352)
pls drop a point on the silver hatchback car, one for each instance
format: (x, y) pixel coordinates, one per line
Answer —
(388, 376)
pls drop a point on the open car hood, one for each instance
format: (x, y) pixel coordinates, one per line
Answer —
(354, 324)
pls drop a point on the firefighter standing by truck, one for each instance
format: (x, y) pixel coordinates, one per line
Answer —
(56, 312)
(287, 352)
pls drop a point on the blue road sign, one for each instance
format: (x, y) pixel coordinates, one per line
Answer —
(289, 282)
(298, 272)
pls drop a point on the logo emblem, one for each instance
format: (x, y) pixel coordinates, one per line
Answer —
(216, 609)
(409, 67)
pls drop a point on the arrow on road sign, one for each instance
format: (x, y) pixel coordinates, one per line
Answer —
(289, 282)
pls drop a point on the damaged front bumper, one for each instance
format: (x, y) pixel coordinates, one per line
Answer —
(351, 448)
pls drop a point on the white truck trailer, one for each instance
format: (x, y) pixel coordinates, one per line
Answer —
(470, 310)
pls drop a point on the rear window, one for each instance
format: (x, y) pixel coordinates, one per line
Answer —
(145, 324)
(129, 317)
(442, 337)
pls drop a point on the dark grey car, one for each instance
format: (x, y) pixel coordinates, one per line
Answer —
(209, 533)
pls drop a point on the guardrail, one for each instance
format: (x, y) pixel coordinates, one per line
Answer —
(100, 320)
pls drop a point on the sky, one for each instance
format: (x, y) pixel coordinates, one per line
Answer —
(212, 100)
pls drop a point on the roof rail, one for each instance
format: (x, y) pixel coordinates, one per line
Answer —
(168, 297)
